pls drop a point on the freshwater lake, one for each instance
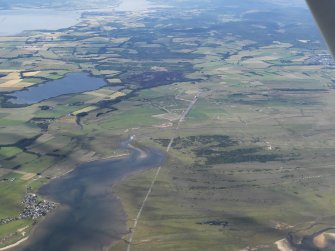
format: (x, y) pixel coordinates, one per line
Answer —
(72, 83)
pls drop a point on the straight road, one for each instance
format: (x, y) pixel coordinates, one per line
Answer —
(181, 119)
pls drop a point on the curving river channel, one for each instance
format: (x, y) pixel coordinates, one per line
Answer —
(90, 217)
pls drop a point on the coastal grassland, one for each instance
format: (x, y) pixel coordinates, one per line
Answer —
(17, 230)
(11, 193)
(38, 165)
(251, 163)
(247, 158)
(40, 142)
(132, 118)
(11, 189)
(233, 204)
(8, 152)
(31, 161)
(11, 134)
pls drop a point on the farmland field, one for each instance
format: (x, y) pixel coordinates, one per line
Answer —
(239, 98)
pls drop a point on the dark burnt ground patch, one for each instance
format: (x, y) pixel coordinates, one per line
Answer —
(223, 149)
(216, 156)
(153, 79)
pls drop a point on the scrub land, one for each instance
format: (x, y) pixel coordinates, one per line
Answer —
(251, 163)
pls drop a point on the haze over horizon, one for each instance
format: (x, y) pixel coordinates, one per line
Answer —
(141, 125)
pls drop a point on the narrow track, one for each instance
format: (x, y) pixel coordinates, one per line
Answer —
(138, 216)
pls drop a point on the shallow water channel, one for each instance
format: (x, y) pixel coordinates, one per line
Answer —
(90, 217)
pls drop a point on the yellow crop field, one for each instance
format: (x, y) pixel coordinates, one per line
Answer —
(117, 94)
(31, 73)
(86, 109)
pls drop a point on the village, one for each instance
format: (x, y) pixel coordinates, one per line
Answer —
(34, 208)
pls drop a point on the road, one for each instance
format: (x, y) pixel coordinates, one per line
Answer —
(189, 108)
(138, 216)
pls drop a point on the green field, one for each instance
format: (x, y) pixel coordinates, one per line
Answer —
(253, 158)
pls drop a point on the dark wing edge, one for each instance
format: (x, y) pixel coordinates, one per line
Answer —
(324, 14)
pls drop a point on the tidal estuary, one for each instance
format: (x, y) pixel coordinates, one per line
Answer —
(90, 216)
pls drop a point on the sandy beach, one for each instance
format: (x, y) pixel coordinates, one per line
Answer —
(15, 244)
(283, 245)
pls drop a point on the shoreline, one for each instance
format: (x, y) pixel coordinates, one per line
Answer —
(142, 153)
(143, 161)
(15, 244)
(283, 245)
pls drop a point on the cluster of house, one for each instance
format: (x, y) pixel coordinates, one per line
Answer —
(34, 208)
(320, 59)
